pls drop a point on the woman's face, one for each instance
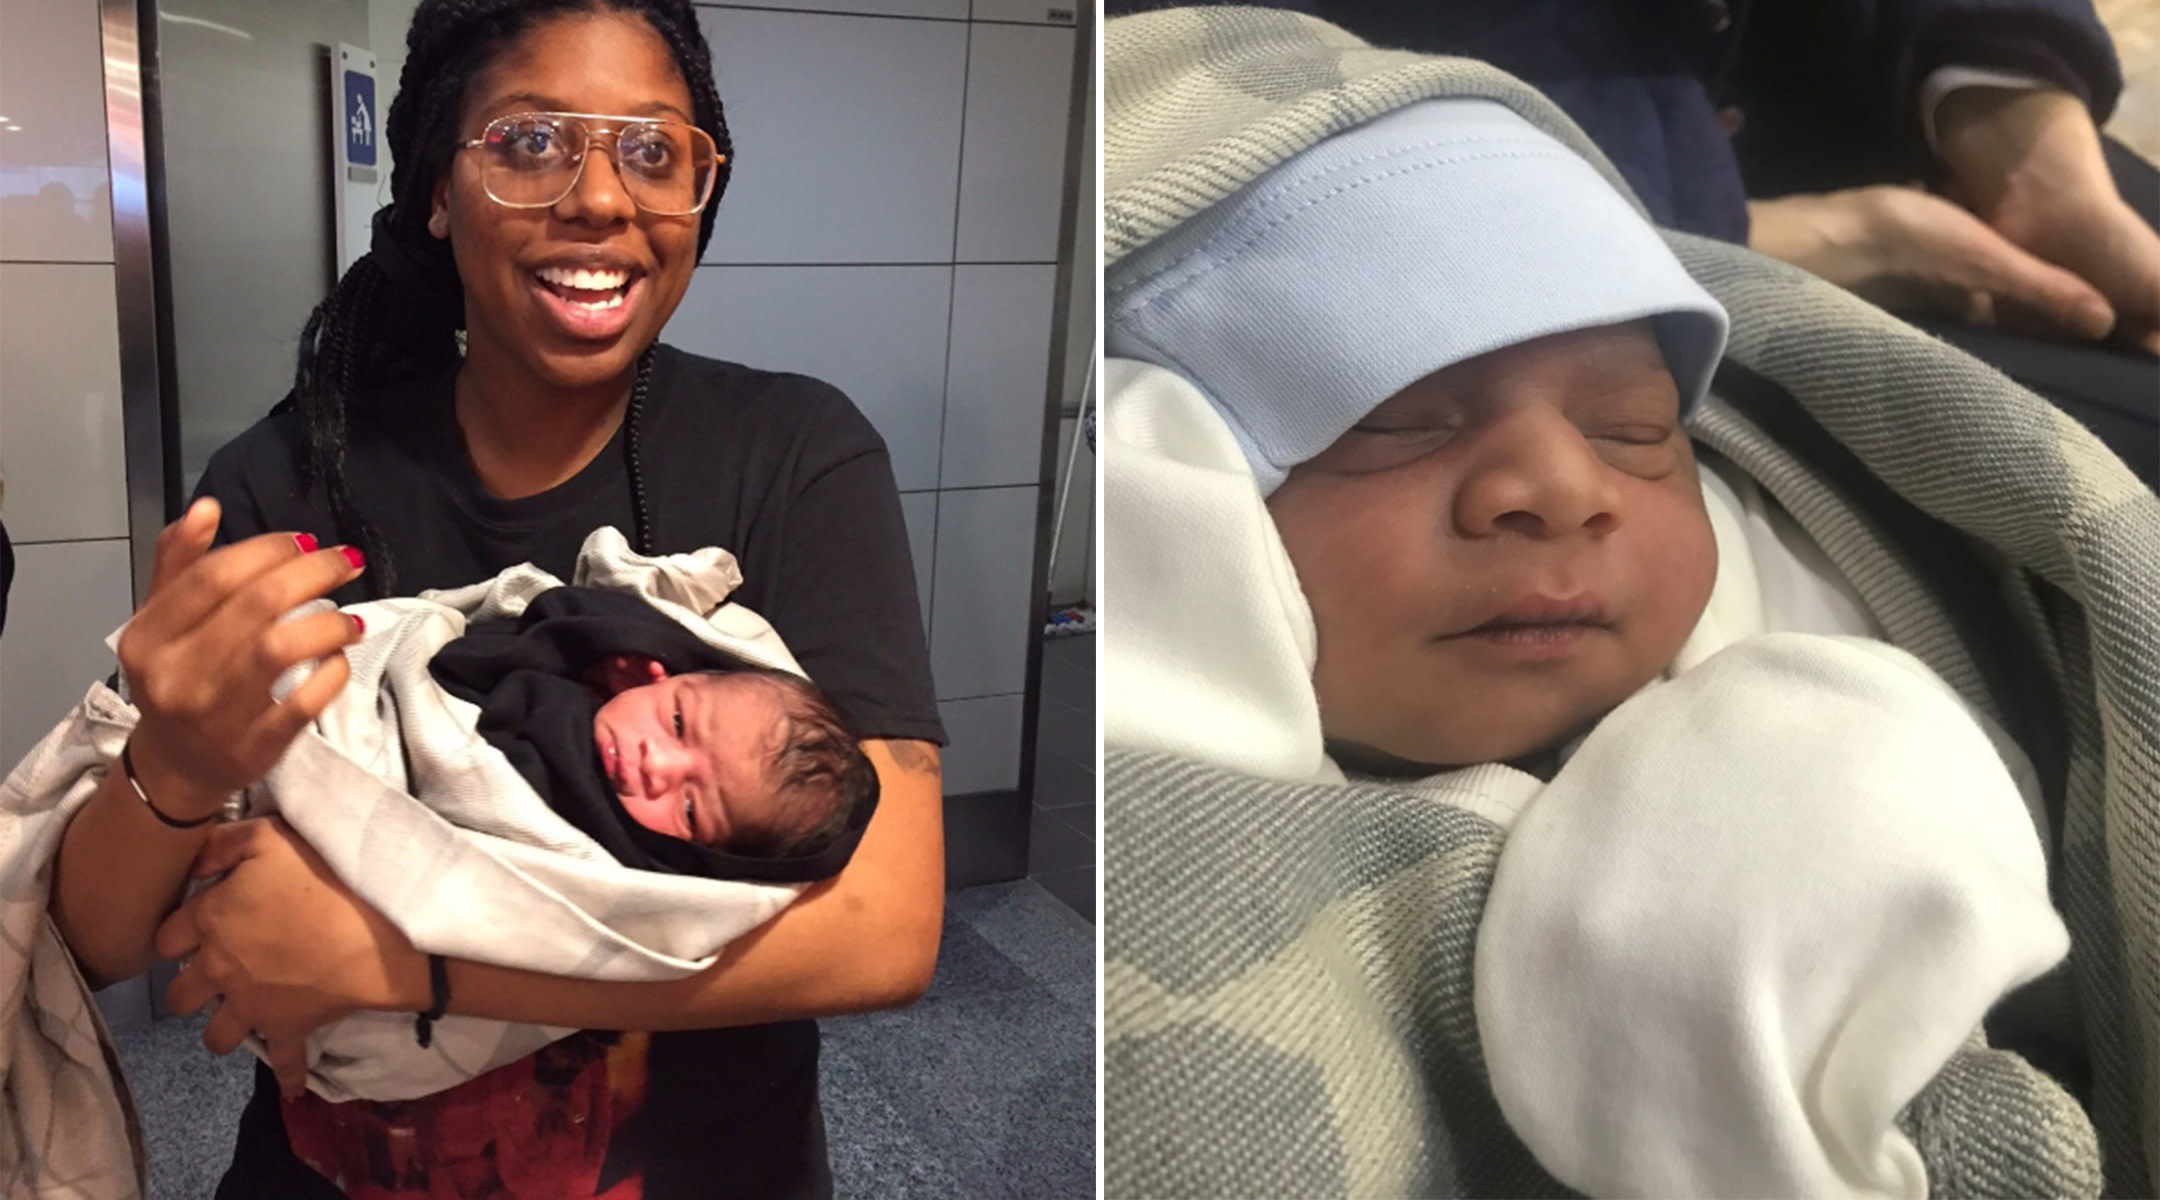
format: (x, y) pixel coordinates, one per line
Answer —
(1502, 551)
(512, 261)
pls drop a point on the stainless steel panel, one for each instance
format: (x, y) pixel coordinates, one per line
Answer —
(136, 283)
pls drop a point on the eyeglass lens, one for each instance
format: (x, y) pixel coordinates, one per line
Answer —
(533, 160)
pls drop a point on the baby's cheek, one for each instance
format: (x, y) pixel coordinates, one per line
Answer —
(1680, 573)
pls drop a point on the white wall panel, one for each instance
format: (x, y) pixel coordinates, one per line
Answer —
(67, 597)
(980, 628)
(984, 754)
(949, 10)
(55, 191)
(847, 136)
(997, 391)
(876, 333)
(1012, 164)
(60, 435)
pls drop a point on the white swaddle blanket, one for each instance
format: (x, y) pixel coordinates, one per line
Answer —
(1758, 908)
(426, 822)
(433, 827)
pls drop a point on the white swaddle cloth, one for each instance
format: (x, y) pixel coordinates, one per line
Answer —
(434, 828)
(1684, 986)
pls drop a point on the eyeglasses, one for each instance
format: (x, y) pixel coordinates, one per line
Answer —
(533, 160)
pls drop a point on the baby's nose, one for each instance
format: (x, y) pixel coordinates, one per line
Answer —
(664, 763)
(1538, 477)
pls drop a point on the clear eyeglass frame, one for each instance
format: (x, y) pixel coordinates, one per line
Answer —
(616, 125)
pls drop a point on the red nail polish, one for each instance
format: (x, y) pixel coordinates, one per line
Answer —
(352, 555)
(359, 626)
(306, 542)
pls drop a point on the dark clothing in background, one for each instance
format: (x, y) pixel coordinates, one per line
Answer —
(785, 473)
(1824, 94)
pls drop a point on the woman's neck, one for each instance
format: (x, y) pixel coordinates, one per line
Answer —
(524, 436)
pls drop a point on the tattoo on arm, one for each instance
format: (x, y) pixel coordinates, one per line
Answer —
(919, 757)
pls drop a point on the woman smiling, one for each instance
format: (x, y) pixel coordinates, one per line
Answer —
(485, 388)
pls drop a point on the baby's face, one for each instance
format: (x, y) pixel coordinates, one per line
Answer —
(693, 756)
(1502, 551)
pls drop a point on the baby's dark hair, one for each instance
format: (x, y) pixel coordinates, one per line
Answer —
(823, 778)
(397, 311)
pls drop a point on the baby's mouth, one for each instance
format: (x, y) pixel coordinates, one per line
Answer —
(611, 758)
(1541, 618)
(1544, 633)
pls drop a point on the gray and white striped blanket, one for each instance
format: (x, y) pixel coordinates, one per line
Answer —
(1287, 1001)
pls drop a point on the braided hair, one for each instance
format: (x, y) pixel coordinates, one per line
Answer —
(397, 312)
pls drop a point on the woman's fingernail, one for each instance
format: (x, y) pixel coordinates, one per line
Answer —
(352, 555)
(359, 626)
(306, 542)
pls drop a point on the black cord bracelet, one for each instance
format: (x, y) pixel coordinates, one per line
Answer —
(127, 767)
(438, 969)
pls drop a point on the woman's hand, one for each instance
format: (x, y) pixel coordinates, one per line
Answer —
(1908, 250)
(2030, 164)
(201, 654)
(288, 947)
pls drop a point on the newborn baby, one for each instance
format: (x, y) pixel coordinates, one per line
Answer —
(670, 753)
(1756, 889)
(754, 762)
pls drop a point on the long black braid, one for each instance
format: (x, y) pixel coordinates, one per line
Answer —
(397, 311)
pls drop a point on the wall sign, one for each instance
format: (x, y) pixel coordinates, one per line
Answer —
(359, 114)
(356, 183)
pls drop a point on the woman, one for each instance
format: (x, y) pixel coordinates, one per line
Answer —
(560, 243)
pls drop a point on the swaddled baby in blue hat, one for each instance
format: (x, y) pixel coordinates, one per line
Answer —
(1764, 873)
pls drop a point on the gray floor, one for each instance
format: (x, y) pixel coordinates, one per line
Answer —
(1061, 840)
(986, 1088)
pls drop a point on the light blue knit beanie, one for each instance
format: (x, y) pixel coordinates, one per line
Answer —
(1431, 235)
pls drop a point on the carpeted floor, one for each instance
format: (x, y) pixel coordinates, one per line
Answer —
(986, 1088)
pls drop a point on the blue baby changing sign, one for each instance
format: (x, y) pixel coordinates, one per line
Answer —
(358, 176)
(360, 118)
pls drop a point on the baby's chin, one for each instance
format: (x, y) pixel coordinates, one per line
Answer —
(1485, 734)
(1415, 760)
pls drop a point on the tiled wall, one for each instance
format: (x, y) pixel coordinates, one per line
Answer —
(893, 229)
(60, 432)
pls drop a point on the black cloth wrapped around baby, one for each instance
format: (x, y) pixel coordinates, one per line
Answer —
(527, 676)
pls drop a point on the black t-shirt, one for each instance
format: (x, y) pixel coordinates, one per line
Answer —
(786, 474)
